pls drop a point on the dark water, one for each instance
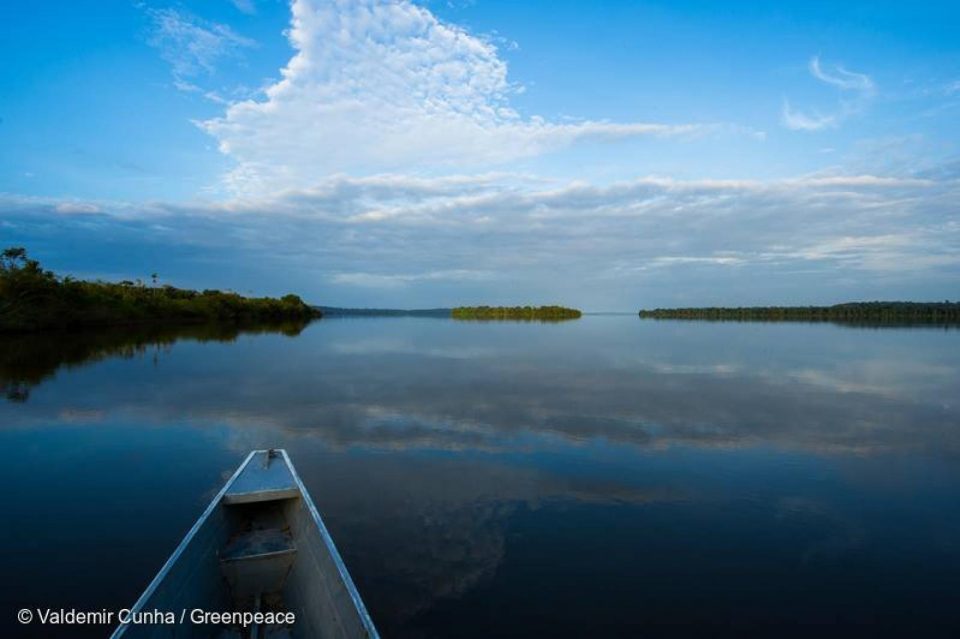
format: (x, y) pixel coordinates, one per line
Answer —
(603, 477)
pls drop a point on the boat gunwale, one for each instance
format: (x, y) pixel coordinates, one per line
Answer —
(365, 618)
(168, 565)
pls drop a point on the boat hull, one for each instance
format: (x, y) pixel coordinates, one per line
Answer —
(261, 547)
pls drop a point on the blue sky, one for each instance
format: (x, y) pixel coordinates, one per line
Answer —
(608, 155)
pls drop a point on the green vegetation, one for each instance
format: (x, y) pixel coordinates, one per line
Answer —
(526, 313)
(32, 298)
(850, 313)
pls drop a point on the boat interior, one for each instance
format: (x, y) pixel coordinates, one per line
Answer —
(261, 546)
(259, 552)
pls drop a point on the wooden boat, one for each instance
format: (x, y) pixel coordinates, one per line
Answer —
(260, 546)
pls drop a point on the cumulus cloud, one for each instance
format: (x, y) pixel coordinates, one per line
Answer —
(383, 85)
(857, 89)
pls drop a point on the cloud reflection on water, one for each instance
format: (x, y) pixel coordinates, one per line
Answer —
(430, 445)
(394, 392)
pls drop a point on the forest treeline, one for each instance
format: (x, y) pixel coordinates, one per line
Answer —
(852, 313)
(530, 313)
(33, 298)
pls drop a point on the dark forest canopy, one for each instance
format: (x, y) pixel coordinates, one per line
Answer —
(851, 312)
(32, 298)
(529, 313)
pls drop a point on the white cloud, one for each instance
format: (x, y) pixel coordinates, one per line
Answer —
(800, 121)
(383, 85)
(72, 207)
(245, 6)
(437, 241)
(857, 89)
(191, 46)
(392, 280)
(858, 181)
(841, 78)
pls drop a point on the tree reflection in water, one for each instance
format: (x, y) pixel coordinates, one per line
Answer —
(29, 359)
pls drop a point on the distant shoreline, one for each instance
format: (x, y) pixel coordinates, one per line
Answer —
(479, 313)
(881, 313)
(523, 313)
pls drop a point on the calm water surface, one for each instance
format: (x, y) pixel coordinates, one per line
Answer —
(603, 477)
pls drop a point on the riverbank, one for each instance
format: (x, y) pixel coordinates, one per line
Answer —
(852, 312)
(529, 313)
(32, 299)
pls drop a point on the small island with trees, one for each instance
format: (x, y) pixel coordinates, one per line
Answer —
(877, 313)
(32, 298)
(523, 313)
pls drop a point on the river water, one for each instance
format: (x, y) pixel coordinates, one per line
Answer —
(608, 476)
